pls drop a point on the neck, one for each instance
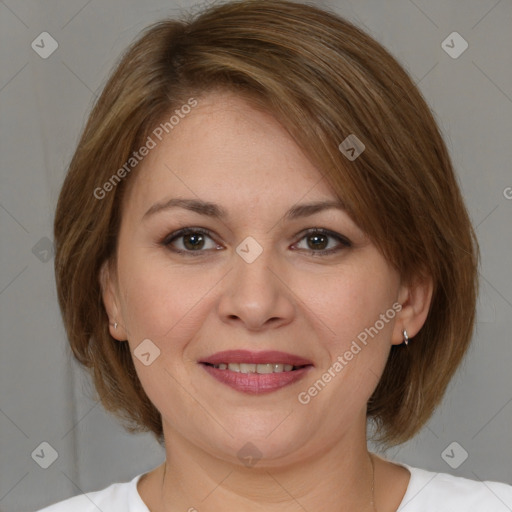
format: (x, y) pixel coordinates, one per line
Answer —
(340, 479)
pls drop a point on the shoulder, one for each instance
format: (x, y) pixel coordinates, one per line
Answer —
(442, 492)
(118, 497)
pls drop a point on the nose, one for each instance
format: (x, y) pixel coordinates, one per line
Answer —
(256, 295)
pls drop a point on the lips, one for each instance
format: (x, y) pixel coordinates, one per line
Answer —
(256, 372)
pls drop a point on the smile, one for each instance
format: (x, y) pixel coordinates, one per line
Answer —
(256, 368)
(256, 372)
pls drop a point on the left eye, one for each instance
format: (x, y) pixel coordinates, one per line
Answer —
(322, 241)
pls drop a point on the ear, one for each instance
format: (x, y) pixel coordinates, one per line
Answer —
(415, 298)
(110, 295)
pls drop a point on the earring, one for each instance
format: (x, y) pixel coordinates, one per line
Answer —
(115, 325)
(406, 338)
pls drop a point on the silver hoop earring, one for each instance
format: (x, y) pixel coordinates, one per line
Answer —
(406, 338)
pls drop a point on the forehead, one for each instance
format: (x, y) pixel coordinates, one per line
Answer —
(228, 151)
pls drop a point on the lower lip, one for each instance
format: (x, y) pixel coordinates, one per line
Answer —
(256, 383)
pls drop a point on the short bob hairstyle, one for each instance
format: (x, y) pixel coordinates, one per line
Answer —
(323, 79)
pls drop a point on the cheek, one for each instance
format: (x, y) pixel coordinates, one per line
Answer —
(162, 301)
(166, 304)
(349, 301)
(353, 338)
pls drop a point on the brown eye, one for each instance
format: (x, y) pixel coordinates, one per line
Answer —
(320, 241)
(191, 240)
(316, 242)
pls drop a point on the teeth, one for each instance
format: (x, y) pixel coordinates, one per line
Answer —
(247, 368)
(255, 368)
(265, 368)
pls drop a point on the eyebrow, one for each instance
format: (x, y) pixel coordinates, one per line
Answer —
(213, 210)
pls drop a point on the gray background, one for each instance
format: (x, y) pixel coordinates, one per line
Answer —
(43, 106)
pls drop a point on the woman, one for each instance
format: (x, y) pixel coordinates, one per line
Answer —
(261, 248)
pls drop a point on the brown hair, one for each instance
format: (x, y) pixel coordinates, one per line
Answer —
(323, 79)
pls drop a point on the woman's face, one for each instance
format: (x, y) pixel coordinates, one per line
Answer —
(262, 281)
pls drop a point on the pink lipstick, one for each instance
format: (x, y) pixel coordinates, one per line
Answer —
(256, 372)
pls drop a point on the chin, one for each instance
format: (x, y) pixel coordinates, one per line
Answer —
(258, 442)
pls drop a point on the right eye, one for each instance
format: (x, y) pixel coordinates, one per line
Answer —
(191, 240)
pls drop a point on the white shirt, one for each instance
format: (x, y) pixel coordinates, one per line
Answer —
(427, 492)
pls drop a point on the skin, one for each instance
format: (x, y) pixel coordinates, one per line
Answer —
(290, 298)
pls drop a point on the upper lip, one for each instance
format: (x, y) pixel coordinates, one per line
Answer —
(261, 357)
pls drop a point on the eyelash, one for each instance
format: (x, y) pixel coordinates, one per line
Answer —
(169, 239)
